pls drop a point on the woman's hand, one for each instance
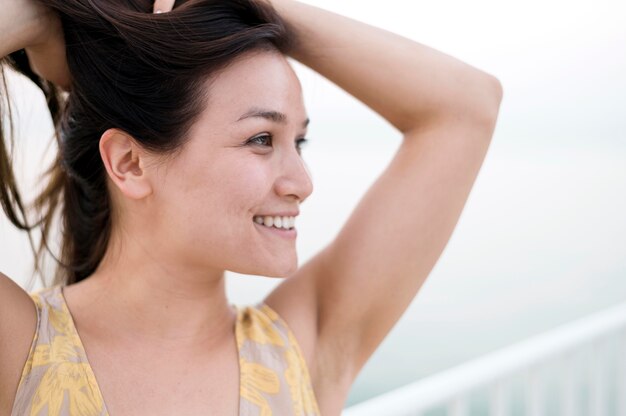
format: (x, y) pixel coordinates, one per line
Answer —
(162, 6)
(46, 47)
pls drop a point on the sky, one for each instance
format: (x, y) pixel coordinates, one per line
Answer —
(561, 63)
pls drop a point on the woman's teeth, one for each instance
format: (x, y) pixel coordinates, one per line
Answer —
(285, 223)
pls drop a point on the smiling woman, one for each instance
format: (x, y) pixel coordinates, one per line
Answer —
(179, 158)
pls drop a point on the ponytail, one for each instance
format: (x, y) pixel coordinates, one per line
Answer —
(84, 204)
(10, 197)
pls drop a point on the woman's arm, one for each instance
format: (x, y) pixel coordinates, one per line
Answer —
(346, 299)
(355, 290)
(26, 24)
(18, 321)
(19, 25)
(407, 83)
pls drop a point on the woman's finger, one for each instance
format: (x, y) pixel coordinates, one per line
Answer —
(162, 6)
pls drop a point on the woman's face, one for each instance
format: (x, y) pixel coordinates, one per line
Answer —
(241, 161)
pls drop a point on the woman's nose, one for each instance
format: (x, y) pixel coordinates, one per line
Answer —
(295, 178)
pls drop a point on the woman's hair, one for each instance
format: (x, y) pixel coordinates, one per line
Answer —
(141, 72)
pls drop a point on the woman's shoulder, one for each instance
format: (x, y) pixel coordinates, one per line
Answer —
(260, 316)
(18, 315)
(262, 329)
(17, 308)
(18, 322)
(271, 360)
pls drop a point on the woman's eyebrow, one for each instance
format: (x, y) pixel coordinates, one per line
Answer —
(275, 116)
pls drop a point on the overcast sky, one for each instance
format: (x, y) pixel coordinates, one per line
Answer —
(562, 63)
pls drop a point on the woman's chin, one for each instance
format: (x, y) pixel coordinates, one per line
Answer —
(276, 270)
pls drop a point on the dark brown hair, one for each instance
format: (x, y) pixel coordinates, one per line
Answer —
(140, 72)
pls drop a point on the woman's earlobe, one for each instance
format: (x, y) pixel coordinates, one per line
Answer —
(123, 160)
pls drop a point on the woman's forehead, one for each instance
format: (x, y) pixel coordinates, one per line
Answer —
(260, 80)
(258, 87)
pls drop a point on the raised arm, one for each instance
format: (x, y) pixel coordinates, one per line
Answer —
(344, 301)
(26, 24)
(409, 84)
(360, 285)
(18, 25)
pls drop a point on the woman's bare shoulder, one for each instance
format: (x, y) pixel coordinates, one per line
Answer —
(15, 304)
(18, 322)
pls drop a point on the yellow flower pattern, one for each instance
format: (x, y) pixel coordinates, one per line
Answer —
(273, 355)
(258, 381)
(303, 397)
(57, 379)
(258, 327)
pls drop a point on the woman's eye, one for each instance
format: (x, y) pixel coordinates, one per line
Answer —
(265, 140)
(300, 143)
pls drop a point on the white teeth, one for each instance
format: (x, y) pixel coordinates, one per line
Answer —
(285, 222)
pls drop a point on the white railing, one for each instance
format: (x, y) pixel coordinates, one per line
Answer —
(587, 358)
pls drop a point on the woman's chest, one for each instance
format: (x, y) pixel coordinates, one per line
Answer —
(162, 385)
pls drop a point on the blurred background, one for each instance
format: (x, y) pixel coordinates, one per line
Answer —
(542, 239)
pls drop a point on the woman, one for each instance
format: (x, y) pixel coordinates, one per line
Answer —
(179, 158)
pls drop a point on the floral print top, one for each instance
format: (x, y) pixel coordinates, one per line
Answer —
(57, 379)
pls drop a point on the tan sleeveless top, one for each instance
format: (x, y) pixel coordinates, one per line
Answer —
(57, 379)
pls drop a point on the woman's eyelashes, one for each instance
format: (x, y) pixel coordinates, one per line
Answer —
(301, 142)
(266, 140)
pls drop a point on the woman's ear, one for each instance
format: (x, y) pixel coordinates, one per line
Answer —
(125, 163)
